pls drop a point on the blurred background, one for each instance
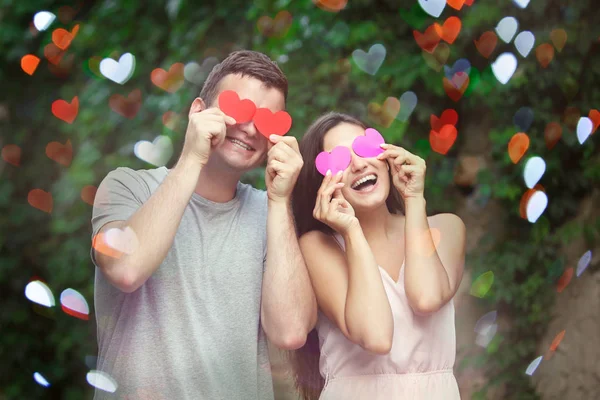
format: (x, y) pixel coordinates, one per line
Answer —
(500, 98)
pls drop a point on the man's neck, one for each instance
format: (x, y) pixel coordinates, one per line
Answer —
(216, 183)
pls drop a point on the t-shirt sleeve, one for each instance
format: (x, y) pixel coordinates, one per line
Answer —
(119, 195)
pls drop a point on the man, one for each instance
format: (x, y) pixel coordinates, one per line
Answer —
(182, 260)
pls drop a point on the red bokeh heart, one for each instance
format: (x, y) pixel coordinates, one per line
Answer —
(66, 111)
(456, 87)
(429, 40)
(552, 134)
(595, 117)
(456, 4)
(63, 38)
(450, 29)
(11, 153)
(240, 110)
(62, 154)
(88, 194)
(127, 107)
(517, 146)
(487, 43)
(443, 140)
(53, 54)
(449, 117)
(269, 123)
(169, 81)
(29, 63)
(41, 200)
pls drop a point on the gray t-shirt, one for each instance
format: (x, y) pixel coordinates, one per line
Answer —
(192, 331)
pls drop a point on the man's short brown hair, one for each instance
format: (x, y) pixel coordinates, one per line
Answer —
(245, 63)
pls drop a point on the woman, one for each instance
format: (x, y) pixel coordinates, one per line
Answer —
(384, 289)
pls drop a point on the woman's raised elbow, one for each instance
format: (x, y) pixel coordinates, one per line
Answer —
(381, 346)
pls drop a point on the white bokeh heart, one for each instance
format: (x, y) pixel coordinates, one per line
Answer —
(101, 380)
(42, 20)
(536, 205)
(157, 153)
(118, 71)
(533, 365)
(408, 103)
(196, 73)
(524, 42)
(371, 61)
(534, 170)
(124, 240)
(433, 7)
(504, 67)
(40, 293)
(486, 334)
(73, 301)
(583, 262)
(507, 28)
(521, 3)
(39, 378)
(584, 129)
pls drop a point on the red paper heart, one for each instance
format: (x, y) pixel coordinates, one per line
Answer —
(127, 107)
(65, 111)
(449, 117)
(62, 154)
(442, 141)
(269, 124)
(240, 110)
(169, 81)
(41, 200)
(429, 40)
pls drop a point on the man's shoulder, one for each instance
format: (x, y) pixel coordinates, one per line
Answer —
(151, 177)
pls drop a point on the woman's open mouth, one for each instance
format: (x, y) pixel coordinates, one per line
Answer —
(366, 184)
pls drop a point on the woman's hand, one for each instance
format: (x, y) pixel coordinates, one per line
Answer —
(331, 207)
(408, 170)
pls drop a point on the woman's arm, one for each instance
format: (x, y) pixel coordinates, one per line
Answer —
(433, 272)
(349, 288)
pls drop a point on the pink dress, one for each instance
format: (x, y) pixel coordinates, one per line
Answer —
(419, 365)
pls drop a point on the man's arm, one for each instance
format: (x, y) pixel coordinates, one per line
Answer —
(154, 224)
(289, 308)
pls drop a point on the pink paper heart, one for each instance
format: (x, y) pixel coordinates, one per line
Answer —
(368, 145)
(337, 160)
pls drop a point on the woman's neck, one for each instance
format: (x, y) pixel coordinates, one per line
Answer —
(378, 225)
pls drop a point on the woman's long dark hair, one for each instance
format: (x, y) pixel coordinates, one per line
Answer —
(305, 361)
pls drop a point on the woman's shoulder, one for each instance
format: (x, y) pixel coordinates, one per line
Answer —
(316, 239)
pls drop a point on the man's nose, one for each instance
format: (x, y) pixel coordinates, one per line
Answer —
(249, 128)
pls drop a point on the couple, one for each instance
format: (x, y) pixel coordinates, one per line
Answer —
(217, 267)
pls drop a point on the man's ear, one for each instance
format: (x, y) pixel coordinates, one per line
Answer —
(197, 106)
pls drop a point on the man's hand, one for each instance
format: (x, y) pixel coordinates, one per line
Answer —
(206, 130)
(284, 163)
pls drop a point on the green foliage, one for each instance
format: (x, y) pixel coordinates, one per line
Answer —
(315, 54)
